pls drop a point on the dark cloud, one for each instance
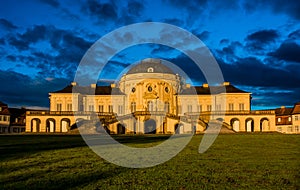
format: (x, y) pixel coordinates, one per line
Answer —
(11, 58)
(290, 8)
(68, 46)
(263, 36)
(228, 52)
(224, 42)
(135, 8)
(252, 72)
(21, 90)
(288, 51)
(101, 11)
(263, 96)
(294, 35)
(7, 25)
(53, 3)
(18, 44)
(259, 41)
(188, 4)
(34, 34)
(2, 41)
(202, 35)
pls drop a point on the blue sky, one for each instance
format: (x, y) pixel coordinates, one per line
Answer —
(256, 43)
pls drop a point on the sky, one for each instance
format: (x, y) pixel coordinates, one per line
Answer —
(256, 44)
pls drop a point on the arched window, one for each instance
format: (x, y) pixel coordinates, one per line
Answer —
(150, 70)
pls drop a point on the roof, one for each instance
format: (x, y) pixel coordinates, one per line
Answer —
(17, 111)
(296, 109)
(145, 64)
(213, 89)
(2, 104)
(99, 90)
(283, 111)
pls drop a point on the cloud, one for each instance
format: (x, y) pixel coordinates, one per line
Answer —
(101, 11)
(135, 8)
(290, 8)
(53, 3)
(295, 35)
(2, 41)
(7, 25)
(201, 35)
(21, 90)
(18, 44)
(251, 71)
(288, 51)
(59, 55)
(34, 34)
(263, 36)
(260, 41)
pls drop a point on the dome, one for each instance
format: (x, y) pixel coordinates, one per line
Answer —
(150, 65)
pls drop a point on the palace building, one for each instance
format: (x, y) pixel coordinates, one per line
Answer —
(150, 99)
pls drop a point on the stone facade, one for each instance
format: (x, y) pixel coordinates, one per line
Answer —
(150, 98)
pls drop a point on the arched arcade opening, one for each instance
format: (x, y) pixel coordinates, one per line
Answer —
(249, 125)
(150, 126)
(50, 125)
(235, 123)
(35, 125)
(65, 125)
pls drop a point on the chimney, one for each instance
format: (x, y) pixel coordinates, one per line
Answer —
(73, 83)
(188, 85)
(226, 83)
(93, 85)
(113, 85)
(205, 85)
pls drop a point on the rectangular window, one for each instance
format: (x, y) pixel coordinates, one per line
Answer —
(179, 109)
(231, 108)
(208, 107)
(296, 118)
(296, 128)
(0, 108)
(290, 129)
(133, 106)
(58, 107)
(290, 118)
(241, 106)
(16, 120)
(4, 118)
(199, 108)
(167, 107)
(69, 107)
(0, 117)
(91, 107)
(218, 107)
(81, 107)
(189, 108)
(101, 108)
(110, 109)
(120, 109)
(279, 129)
(279, 119)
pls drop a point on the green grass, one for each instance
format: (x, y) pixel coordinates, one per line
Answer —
(234, 161)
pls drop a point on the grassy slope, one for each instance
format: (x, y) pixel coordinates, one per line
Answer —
(253, 161)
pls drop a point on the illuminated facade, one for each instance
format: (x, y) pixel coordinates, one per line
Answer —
(150, 98)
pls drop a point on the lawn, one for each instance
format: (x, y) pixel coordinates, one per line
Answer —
(234, 161)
